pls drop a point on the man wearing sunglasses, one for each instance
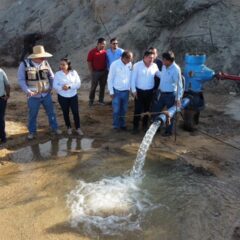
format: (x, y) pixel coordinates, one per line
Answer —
(114, 52)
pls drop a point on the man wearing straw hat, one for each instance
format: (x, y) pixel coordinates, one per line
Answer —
(35, 77)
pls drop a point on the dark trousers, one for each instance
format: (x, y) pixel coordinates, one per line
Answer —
(98, 77)
(67, 104)
(142, 105)
(166, 100)
(3, 104)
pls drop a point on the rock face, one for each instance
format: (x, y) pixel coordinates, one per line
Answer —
(72, 27)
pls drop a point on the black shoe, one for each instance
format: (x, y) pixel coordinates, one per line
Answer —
(167, 134)
(123, 128)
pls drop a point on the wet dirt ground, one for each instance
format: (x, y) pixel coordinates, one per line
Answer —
(36, 175)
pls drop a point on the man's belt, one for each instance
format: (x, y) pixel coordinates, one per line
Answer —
(100, 70)
(121, 90)
(167, 93)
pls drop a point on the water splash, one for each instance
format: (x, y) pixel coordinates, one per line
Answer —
(142, 151)
(109, 206)
(115, 205)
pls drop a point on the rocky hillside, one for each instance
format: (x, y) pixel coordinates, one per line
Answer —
(72, 27)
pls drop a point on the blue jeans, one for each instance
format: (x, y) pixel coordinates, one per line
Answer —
(166, 100)
(120, 107)
(33, 107)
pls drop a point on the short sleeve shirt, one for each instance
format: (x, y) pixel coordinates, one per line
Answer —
(98, 59)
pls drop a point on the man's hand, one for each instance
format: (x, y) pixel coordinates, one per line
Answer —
(65, 87)
(112, 96)
(178, 103)
(30, 94)
(5, 98)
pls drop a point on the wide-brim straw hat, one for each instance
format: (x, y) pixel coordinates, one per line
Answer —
(39, 52)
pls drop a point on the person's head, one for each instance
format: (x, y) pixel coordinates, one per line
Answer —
(114, 43)
(101, 43)
(148, 58)
(65, 65)
(168, 58)
(39, 54)
(155, 51)
(127, 57)
(38, 60)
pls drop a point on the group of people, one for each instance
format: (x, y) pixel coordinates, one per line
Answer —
(153, 83)
(37, 80)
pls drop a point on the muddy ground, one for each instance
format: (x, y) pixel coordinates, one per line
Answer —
(213, 150)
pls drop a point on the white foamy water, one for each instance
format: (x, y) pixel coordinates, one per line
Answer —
(110, 206)
(115, 205)
(142, 151)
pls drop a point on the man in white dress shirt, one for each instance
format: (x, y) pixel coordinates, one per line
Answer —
(142, 84)
(119, 78)
(171, 87)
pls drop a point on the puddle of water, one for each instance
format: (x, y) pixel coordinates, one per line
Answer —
(172, 201)
(86, 144)
(51, 149)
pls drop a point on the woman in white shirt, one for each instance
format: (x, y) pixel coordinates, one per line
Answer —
(66, 82)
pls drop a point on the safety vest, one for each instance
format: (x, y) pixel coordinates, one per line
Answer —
(37, 78)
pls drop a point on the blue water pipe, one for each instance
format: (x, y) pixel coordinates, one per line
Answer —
(172, 111)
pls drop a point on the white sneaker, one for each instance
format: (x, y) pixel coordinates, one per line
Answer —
(69, 131)
(79, 132)
(30, 136)
(58, 131)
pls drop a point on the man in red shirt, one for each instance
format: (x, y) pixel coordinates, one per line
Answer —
(97, 64)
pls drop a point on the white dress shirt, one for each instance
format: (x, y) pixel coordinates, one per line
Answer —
(171, 80)
(71, 79)
(142, 76)
(119, 76)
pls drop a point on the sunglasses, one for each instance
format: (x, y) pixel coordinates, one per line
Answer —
(114, 43)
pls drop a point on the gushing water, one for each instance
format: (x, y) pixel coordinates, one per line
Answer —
(142, 151)
(111, 206)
